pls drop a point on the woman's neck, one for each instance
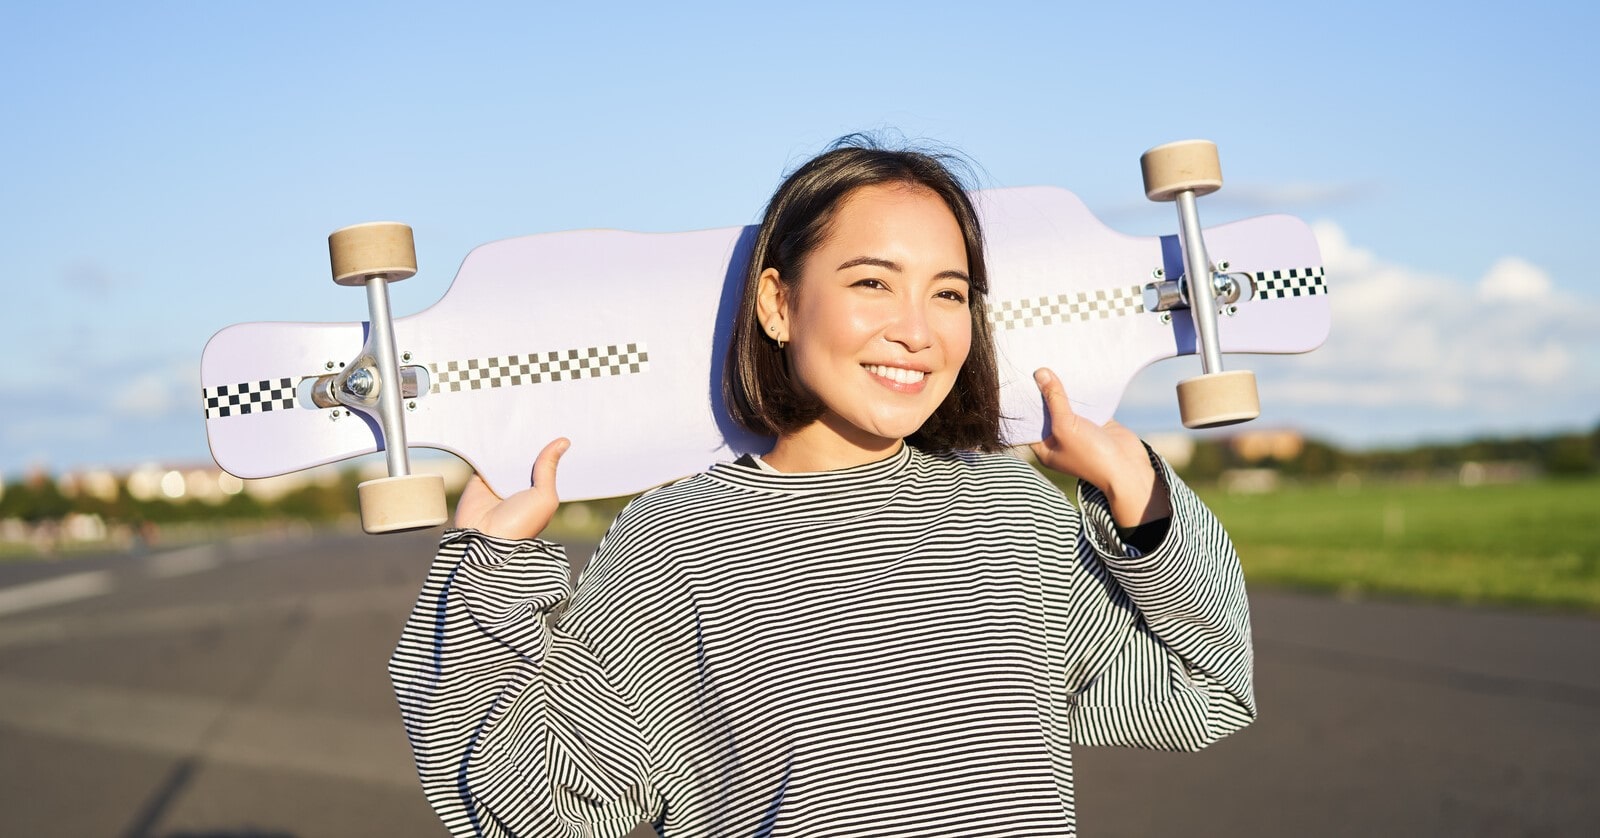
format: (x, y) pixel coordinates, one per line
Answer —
(822, 446)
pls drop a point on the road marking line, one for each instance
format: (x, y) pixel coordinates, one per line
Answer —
(62, 589)
(387, 601)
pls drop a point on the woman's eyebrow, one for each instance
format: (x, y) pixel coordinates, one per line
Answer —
(874, 261)
(895, 266)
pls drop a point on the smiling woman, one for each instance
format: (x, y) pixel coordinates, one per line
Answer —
(899, 232)
(882, 626)
(877, 341)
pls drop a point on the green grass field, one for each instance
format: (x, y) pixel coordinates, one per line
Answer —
(1533, 544)
(1529, 544)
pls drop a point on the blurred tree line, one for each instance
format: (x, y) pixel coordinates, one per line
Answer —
(39, 500)
(1557, 456)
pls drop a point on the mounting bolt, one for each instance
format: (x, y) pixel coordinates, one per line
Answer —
(1230, 310)
(411, 405)
(405, 356)
(1159, 273)
(1166, 318)
(334, 416)
(328, 366)
(361, 383)
(1222, 266)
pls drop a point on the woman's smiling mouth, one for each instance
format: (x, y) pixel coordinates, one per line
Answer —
(898, 375)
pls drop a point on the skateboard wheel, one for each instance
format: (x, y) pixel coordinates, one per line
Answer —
(1183, 165)
(409, 502)
(1217, 399)
(377, 248)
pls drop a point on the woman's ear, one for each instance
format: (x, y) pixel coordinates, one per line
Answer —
(772, 305)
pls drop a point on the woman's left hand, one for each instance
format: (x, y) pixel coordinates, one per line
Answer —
(1110, 457)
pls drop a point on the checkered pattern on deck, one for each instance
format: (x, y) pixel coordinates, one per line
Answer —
(538, 368)
(1294, 282)
(1099, 304)
(248, 397)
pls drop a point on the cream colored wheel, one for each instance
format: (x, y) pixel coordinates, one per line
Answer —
(1184, 165)
(410, 502)
(377, 248)
(1217, 399)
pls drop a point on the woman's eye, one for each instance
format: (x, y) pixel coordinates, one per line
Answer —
(956, 296)
(869, 283)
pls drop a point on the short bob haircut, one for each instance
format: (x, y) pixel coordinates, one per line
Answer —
(760, 392)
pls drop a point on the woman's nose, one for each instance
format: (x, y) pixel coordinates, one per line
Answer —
(910, 327)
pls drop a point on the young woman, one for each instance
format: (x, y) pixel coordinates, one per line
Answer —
(883, 626)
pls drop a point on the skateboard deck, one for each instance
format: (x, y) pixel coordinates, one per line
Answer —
(617, 340)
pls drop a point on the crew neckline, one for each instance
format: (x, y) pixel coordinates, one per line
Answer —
(752, 476)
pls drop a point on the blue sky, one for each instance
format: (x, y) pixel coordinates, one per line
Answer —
(171, 168)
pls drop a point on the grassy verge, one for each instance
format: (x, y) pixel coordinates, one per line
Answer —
(1530, 544)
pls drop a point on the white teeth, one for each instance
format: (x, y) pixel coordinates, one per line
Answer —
(896, 374)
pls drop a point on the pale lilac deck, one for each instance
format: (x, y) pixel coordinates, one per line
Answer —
(667, 294)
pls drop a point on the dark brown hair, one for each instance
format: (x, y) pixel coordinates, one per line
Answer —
(757, 385)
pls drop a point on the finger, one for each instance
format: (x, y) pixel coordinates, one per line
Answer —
(1055, 398)
(544, 466)
(476, 497)
(478, 486)
(1051, 388)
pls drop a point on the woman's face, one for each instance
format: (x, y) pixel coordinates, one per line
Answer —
(879, 324)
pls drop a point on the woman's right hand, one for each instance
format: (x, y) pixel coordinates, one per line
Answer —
(523, 515)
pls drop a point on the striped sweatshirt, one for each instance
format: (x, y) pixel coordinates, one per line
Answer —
(908, 647)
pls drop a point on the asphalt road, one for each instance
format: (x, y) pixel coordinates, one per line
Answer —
(238, 691)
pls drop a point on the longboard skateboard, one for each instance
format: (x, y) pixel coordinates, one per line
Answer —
(617, 340)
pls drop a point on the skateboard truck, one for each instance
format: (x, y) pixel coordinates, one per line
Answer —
(1181, 172)
(1173, 294)
(374, 255)
(357, 384)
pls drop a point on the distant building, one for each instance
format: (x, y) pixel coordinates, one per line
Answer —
(1257, 445)
(1177, 449)
(98, 483)
(182, 483)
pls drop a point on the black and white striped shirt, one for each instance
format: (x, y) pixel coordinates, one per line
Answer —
(908, 647)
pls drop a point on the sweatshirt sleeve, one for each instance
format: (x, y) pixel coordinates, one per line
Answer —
(516, 728)
(1161, 655)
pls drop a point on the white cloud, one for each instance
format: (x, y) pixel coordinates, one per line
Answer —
(146, 396)
(41, 435)
(1428, 339)
(1507, 350)
(1512, 279)
(152, 404)
(1279, 197)
(1241, 200)
(157, 392)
